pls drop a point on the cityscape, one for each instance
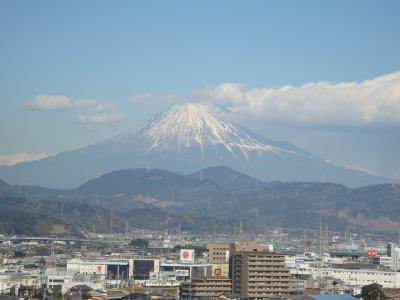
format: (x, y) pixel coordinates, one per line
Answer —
(199, 150)
(140, 264)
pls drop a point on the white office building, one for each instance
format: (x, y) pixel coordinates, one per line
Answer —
(355, 278)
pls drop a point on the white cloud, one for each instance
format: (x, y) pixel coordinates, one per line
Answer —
(89, 111)
(47, 102)
(99, 113)
(367, 103)
(101, 118)
(16, 158)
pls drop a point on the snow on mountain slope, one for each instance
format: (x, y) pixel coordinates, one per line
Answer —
(192, 125)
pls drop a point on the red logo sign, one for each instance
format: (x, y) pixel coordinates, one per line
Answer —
(372, 252)
(185, 254)
(99, 268)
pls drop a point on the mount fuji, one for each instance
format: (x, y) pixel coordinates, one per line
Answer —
(185, 138)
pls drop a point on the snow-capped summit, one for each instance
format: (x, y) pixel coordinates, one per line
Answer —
(184, 138)
(190, 125)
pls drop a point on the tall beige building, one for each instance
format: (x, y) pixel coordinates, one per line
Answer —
(259, 275)
(239, 246)
(218, 252)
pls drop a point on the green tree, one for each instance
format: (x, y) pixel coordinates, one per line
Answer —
(57, 294)
(372, 292)
(12, 290)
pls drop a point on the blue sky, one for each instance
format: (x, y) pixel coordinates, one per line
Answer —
(109, 52)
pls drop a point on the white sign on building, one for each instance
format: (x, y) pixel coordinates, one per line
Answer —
(187, 255)
(180, 273)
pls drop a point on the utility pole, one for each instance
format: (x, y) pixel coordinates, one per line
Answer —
(326, 237)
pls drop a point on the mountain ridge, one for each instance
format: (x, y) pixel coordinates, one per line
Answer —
(198, 201)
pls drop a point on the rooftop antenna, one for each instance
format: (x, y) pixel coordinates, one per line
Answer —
(280, 237)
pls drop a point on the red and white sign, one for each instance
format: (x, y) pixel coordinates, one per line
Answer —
(187, 255)
(372, 252)
(102, 269)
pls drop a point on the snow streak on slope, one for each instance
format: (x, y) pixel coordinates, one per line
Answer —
(192, 125)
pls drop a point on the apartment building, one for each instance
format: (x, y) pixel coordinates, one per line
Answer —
(206, 287)
(260, 275)
(220, 252)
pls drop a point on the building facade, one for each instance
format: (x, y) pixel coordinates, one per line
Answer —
(206, 287)
(218, 252)
(260, 275)
(355, 278)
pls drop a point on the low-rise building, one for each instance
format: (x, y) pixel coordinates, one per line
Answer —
(64, 280)
(9, 281)
(352, 277)
(185, 271)
(114, 269)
